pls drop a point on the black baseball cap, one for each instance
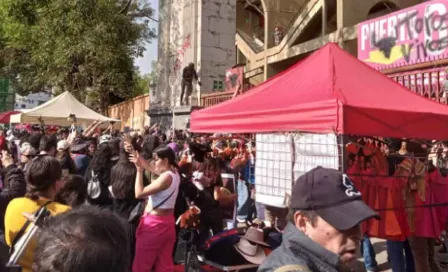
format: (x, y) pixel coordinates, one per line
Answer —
(332, 196)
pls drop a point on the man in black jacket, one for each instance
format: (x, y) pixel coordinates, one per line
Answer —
(324, 232)
(14, 186)
(188, 75)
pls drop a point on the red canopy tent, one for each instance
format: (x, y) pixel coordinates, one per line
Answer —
(330, 91)
(5, 116)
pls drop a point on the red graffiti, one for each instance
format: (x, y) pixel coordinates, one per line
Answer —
(181, 52)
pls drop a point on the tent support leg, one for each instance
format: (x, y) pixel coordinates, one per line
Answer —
(343, 155)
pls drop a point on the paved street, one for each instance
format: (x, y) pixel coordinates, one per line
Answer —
(381, 257)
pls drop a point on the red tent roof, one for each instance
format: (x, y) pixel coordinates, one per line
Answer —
(5, 116)
(330, 91)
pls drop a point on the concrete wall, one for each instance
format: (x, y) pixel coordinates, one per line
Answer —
(353, 12)
(217, 51)
(280, 13)
(201, 32)
(158, 99)
(246, 20)
(305, 33)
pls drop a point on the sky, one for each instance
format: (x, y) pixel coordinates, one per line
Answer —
(151, 49)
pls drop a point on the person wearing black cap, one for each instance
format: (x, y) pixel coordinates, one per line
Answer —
(323, 231)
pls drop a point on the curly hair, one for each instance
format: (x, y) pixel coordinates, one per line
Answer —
(101, 160)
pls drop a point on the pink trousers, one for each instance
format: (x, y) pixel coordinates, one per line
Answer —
(155, 238)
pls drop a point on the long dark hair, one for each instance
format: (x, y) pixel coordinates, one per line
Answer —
(165, 152)
(101, 160)
(150, 143)
(122, 177)
(114, 146)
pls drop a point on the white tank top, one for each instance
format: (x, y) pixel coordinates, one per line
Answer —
(156, 199)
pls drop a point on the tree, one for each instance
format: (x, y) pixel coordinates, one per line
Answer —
(142, 82)
(141, 85)
(86, 47)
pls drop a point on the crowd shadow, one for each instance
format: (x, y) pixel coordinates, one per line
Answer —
(380, 247)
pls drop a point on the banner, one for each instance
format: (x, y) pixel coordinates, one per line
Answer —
(409, 36)
(234, 78)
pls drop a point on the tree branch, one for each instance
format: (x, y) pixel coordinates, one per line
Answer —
(142, 14)
(125, 8)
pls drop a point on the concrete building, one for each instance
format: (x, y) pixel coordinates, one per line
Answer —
(31, 101)
(266, 36)
(274, 34)
(200, 32)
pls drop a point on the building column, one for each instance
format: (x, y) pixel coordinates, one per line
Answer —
(341, 21)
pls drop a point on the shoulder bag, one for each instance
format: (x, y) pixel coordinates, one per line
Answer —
(94, 187)
(139, 209)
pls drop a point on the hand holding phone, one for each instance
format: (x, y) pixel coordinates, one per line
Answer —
(128, 145)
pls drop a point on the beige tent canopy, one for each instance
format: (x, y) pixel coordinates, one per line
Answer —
(57, 110)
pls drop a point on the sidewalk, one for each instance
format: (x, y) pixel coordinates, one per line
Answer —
(381, 257)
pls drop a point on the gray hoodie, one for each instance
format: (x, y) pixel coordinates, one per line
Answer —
(299, 253)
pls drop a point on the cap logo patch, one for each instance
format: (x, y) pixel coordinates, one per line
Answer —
(350, 189)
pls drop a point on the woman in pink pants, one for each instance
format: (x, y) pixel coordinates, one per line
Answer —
(155, 235)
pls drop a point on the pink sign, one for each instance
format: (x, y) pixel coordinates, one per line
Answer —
(409, 36)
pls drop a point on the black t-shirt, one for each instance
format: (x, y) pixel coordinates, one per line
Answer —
(206, 202)
(67, 163)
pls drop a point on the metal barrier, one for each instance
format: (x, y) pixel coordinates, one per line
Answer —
(208, 100)
(428, 83)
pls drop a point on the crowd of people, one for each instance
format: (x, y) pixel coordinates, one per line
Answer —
(144, 172)
(128, 201)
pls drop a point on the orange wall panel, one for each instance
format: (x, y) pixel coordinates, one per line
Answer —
(132, 113)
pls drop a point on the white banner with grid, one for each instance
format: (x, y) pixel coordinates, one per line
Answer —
(282, 158)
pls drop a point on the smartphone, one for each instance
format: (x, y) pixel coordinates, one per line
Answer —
(127, 139)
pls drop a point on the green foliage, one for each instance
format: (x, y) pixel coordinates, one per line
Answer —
(141, 85)
(142, 82)
(81, 46)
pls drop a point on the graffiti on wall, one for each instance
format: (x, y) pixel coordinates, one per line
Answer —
(415, 35)
(178, 60)
(181, 52)
(234, 79)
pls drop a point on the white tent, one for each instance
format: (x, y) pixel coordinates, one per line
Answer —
(57, 110)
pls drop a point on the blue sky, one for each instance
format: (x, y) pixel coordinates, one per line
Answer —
(151, 49)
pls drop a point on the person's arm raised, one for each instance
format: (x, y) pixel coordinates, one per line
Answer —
(163, 182)
(139, 162)
(90, 130)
